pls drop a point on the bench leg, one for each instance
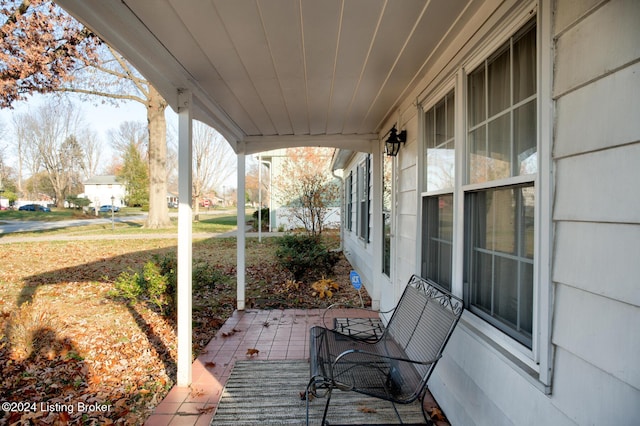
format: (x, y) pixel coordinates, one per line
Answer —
(309, 392)
(307, 397)
(326, 407)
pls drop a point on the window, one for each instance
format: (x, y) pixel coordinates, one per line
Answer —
(437, 208)
(348, 188)
(387, 195)
(500, 196)
(439, 138)
(502, 112)
(437, 248)
(500, 258)
(364, 190)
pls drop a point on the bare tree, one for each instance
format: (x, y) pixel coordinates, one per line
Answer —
(51, 136)
(213, 161)
(130, 132)
(92, 154)
(306, 187)
(43, 49)
(3, 150)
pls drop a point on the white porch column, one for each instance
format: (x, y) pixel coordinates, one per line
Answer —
(184, 238)
(377, 230)
(241, 229)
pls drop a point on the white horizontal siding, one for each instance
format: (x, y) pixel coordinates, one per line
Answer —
(597, 212)
(480, 388)
(591, 396)
(597, 330)
(568, 12)
(600, 258)
(602, 42)
(599, 186)
(613, 120)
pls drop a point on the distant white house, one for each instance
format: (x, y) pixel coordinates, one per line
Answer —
(101, 189)
(281, 216)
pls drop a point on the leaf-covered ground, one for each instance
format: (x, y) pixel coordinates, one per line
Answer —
(71, 354)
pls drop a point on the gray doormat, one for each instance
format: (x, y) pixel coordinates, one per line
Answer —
(268, 393)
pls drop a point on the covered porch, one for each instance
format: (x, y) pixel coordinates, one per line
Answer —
(270, 75)
(278, 335)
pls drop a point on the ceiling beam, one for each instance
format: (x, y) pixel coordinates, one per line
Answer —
(360, 143)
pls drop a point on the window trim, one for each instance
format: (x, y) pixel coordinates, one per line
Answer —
(534, 364)
(530, 357)
(363, 199)
(349, 201)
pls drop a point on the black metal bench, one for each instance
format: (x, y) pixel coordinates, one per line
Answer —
(396, 366)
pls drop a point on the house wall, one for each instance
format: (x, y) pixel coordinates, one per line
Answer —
(281, 216)
(596, 214)
(591, 146)
(358, 251)
(103, 194)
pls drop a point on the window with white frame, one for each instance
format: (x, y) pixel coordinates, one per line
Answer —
(387, 197)
(363, 194)
(497, 191)
(499, 200)
(437, 201)
(348, 188)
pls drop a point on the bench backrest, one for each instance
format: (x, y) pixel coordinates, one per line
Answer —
(423, 321)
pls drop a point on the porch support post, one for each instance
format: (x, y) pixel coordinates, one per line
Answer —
(377, 229)
(184, 238)
(240, 270)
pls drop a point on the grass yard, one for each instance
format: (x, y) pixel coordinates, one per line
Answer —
(64, 339)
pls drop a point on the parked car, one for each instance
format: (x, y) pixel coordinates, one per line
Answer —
(34, 208)
(107, 208)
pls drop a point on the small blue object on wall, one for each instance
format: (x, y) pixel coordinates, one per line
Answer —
(355, 280)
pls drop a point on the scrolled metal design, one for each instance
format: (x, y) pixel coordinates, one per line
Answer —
(445, 299)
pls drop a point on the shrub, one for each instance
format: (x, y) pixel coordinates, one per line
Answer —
(265, 218)
(206, 275)
(305, 254)
(129, 286)
(168, 265)
(150, 284)
(155, 284)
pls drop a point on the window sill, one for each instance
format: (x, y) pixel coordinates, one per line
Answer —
(509, 351)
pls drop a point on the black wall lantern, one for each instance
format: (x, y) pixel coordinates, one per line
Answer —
(392, 144)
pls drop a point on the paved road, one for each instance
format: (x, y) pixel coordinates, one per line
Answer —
(8, 227)
(10, 231)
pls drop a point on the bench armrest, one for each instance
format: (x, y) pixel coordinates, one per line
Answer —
(346, 354)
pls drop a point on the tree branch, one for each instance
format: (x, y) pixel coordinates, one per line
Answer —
(102, 94)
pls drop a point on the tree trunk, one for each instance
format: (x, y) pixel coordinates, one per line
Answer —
(158, 210)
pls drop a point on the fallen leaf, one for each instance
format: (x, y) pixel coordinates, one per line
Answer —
(436, 414)
(252, 352)
(364, 409)
(197, 392)
(303, 396)
(210, 364)
(206, 410)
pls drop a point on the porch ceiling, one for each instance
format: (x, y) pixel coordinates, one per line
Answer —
(275, 73)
